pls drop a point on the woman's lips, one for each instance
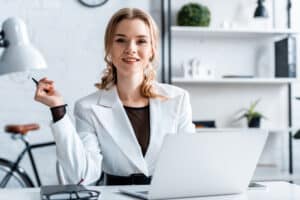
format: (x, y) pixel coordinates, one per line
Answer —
(130, 60)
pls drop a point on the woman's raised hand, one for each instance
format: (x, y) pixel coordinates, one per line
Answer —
(47, 94)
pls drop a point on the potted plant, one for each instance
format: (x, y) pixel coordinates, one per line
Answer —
(193, 14)
(253, 117)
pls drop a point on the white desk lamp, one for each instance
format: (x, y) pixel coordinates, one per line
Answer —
(18, 55)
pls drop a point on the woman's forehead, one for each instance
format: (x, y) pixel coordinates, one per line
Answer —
(132, 27)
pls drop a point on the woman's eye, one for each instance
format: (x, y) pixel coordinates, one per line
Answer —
(142, 41)
(120, 40)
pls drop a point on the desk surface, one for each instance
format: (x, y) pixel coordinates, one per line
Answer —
(274, 191)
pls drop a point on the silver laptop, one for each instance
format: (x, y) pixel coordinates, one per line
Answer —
(204, 164)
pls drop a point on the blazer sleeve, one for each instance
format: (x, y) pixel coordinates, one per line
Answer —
(77, 149)
(185, 124)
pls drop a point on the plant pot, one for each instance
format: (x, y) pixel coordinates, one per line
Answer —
(254, 123)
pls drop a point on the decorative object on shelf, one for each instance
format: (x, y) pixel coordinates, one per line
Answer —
(193, 14)
(253, 117)
(226, 24)
(19, 54)
(297, 134)
(261, 10)
(261, 18)
(205, 124)
(286, 57)
(93, 3)
(194, 69)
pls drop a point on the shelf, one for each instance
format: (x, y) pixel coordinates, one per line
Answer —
(270, 130)
(274, 174)
(233, 33)
(236, 80)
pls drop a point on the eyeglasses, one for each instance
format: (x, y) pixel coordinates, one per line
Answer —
(74, 195)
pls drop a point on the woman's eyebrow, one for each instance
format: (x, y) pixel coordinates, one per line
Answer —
(123, 35)
(120, 35)
(142, 36)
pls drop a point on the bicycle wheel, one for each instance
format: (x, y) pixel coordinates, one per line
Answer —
(18, 179)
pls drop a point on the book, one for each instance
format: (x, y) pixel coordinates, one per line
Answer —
(285, 57)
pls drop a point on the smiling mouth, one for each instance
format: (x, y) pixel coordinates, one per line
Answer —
(130, 60)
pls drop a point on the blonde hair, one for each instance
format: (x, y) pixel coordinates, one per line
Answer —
(109, 77)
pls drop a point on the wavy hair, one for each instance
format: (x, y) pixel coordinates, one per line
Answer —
(109, 77)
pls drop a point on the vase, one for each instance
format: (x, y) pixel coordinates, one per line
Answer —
(254, 123)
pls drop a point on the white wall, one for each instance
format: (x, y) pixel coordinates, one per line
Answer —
(70, 37)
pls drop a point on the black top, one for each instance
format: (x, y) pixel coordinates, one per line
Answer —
(140, 121)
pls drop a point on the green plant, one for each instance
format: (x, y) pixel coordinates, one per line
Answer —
(250, 113)
(193, 14)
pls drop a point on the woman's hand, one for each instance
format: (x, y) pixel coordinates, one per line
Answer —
(47, 94)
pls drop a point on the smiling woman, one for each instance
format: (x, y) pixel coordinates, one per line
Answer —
(120, 128)
(131, 48)
(128, 30)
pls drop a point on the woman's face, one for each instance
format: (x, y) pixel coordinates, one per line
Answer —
(131, 47)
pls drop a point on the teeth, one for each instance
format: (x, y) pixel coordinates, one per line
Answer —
(130, 59)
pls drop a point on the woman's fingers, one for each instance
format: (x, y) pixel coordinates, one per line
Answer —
(47, 94)
(45, 85)
(46, 80)
(50, 91)
(41, 91)
(44, 88)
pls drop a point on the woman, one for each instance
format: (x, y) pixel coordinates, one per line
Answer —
(120, 128)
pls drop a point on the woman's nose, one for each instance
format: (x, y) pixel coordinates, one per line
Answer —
(131, 47)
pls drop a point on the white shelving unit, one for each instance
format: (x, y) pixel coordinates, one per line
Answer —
(207, 95)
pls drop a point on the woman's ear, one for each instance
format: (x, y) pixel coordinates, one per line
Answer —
(152, 56)
(109, 58)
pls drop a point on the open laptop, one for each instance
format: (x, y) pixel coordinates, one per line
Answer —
(204, 164)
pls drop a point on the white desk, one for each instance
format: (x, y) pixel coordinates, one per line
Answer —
(274, 191)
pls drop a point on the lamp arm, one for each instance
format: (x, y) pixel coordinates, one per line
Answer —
(3, 42)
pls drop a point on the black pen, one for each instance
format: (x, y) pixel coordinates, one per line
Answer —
(36, 83)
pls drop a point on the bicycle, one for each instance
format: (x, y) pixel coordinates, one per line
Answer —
(11, 174)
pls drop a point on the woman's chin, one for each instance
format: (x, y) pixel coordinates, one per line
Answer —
(130, 73)
(130, 64)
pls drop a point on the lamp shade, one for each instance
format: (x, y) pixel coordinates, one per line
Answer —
(261, 10)
(19, 55)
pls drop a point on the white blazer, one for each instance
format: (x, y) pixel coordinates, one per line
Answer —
(104, 139)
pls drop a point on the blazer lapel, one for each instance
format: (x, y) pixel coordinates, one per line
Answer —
(162, 118)
(111, 114)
